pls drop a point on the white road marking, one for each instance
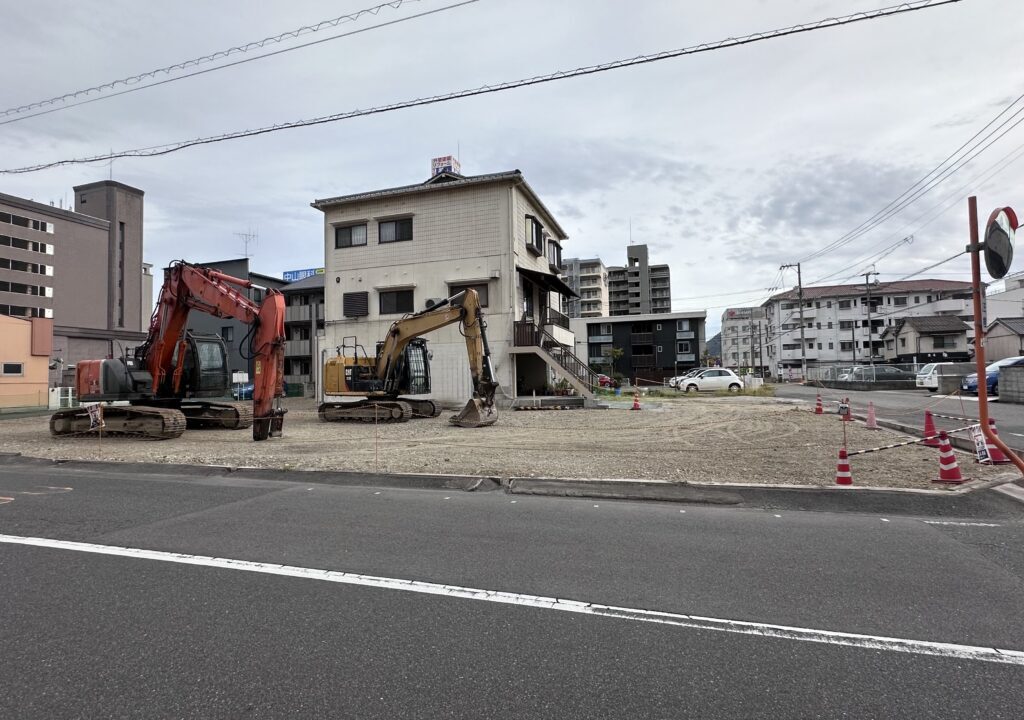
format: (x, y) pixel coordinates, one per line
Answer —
(778, 516)
(697, 622)
(885, 519)
(513, 501)
(960, 524)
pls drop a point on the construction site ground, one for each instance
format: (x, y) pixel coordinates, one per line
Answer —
(692, 439)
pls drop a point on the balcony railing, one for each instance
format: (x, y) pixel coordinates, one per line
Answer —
(553, 317)
(643, 361)
(296, 347)
(641, 338)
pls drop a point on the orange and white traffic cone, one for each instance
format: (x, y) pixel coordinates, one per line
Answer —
(817, 406)
(636, 400)
(949, 470)
(843, 475)
(929, 430)
(872, 422)
(995, 455)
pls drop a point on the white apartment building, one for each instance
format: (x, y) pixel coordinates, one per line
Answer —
(836, 327)
(395, 251)
(1007, 302)
(745, 339)
(589, 278)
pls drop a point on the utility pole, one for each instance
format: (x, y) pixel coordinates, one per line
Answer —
(871, 330)
(800, 295)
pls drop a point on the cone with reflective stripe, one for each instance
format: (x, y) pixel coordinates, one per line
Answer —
(636, 400)
(843, 475)
(995, 455)
(949, 470)
(817, 407)
(929, 430)
(872, 423)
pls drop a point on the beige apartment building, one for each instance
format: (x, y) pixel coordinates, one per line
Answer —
(82, 268)
(398, 250)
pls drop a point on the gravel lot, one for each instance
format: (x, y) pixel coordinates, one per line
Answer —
(699, 439)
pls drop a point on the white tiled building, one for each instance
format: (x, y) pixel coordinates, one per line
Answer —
(393, 251)
(745, 339)
(836, 319)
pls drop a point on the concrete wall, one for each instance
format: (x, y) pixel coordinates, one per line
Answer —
(1011, 385)
(879, 385)
(29, 389)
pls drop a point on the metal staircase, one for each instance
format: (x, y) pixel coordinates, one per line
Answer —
(576, 371)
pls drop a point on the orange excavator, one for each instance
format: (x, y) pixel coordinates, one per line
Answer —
(171, 381)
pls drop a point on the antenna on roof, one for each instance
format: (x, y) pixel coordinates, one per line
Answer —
(247, 238)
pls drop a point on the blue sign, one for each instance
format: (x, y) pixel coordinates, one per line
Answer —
(293, 275)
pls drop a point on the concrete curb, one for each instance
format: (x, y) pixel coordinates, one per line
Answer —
(421, 481)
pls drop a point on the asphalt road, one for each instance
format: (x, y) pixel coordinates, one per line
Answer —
(86, 634)
(908, 406)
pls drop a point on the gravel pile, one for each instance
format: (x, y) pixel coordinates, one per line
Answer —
(717, 440)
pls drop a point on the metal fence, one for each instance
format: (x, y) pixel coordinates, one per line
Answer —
(865, 373)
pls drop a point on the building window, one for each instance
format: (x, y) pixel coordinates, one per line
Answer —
(917, 299)
(394, 230)
(900, 301)
(481, 290)
(554, 254)
(659, 349)
(12, 368)
(606, 329)
(534, 235)
(828, 304)
(846, 346)
(903, 342)
(355, 304)
(944, 342)
(350, 236)
(846, 324)
(844, 304)
(819, 346)
(394, 302)
(831, 346)
(683, 346)
(227, 333)
(684, 325)
(830, 325)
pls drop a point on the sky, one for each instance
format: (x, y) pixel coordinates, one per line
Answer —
(727, 164)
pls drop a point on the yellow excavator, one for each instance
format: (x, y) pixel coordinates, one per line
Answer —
(402, 367)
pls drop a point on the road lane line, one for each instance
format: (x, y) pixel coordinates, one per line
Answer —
(696, 622)
(960, 524)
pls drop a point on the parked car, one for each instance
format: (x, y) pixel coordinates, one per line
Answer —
(928, 376)
(674, 381)
(241, 391)
(970, 382)
(712, 379)
(605, 381)
(868, 373)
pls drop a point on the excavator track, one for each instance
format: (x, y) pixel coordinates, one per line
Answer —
(217, 416)
(149, 423)
(422, 408)
(367, 411)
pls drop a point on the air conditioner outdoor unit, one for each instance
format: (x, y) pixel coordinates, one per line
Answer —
(431, 302)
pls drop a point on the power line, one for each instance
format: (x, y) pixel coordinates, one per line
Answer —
(194, 62)
(915, 192)
(165, 149)
(243, 61)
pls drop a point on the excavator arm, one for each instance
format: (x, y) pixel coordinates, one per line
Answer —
(189, 287)
(464, 308)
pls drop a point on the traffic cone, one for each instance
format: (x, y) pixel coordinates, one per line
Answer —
(949, 470)
(848, 415)
(872, 423)
(817, 407)
(636, 400)
(995, 455)
(929, 430)
(843, 475)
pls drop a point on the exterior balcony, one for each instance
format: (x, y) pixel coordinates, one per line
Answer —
(297, 347)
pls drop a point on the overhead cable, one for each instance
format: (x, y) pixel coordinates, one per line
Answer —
(204, 59)
(165, 149)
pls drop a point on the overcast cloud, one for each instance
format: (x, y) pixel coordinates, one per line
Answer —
(727, 164)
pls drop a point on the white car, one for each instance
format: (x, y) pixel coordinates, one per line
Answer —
(928, 376)
(712, 379)
(674, 381)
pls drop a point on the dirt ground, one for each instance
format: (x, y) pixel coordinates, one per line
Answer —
(712, 439)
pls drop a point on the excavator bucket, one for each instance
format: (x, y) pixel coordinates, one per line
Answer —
(477, 413)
